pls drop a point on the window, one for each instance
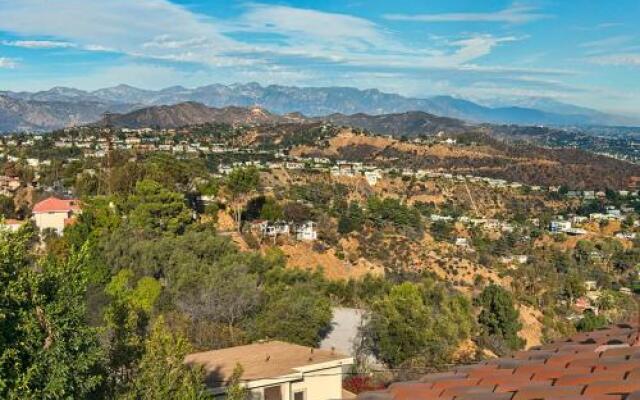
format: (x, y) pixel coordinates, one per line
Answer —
(272, 393)
(299, 395)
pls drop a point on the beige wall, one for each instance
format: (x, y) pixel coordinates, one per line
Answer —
(53, 220)
(321, 384)
(324, 384)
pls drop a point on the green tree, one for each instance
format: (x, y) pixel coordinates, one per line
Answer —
(236, 390)
(295, 314)
(46, 349)
(441, 230)
(162, 373)
(7, 207)
(155, 208)
(271, 210)
(126, 320)
(590, 322)
(499, 317)
(573, 287)
(351, 219)
(240, 182)
(418, 323)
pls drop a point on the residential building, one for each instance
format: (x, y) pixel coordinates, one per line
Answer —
(559, 226)
(276, 370)
(372, 177)
(307, 231)
(54, 213)
(11, 225)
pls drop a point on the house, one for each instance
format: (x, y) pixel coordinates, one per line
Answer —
(273, 229)
(11, 225)
(590, 286)
(559, 226)
(372, 177)
(307, 231)
(54, 213)
(276, 370)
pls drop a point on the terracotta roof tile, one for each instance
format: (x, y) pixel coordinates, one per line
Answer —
(54, 204)
(612, 387)
(599, 365)
(534, 392)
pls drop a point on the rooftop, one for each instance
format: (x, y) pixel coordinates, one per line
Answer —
(260, 360)
(54, 204)
(599, 365)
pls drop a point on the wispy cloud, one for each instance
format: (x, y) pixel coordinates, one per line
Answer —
(37, 44)
(606, 25)
(608, 42)
(619, 59)
(7, 62)
(516, 14)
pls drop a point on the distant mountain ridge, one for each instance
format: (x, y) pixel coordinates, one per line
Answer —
(411, 123)
(192, 113)
(310, 101)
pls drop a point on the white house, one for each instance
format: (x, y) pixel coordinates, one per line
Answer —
(276, 371)
(307, 231)
(372, 177)
(560, 226)
(54, 213)
(11, 225)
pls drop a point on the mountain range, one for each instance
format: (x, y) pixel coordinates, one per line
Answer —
(61, 106)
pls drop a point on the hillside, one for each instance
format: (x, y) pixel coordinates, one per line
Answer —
(411, 123)
(481, 155)
(191, 113)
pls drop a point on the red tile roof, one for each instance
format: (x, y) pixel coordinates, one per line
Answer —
(54, 204)
(599, 365)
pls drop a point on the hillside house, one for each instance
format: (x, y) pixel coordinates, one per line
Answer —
(276, 371)
(273, 229)
(559, 226)
(11, 225)
(54, 213)
(372, 177)
(307, 231)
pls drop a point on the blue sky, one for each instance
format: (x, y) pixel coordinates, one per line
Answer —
(585, 52)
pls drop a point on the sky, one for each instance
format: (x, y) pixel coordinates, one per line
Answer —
(585, 52)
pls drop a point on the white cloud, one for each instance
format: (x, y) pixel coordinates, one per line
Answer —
(301, 24)
(118, 25)
(7, 62)
(516, 14)
(37, 44)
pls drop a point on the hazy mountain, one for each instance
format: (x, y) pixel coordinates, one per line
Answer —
(315, 101)
(33, 115)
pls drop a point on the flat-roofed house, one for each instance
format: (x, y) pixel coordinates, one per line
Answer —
(276, 370)
(54, 213)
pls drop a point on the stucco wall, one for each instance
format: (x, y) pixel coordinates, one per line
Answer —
(53, 220)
